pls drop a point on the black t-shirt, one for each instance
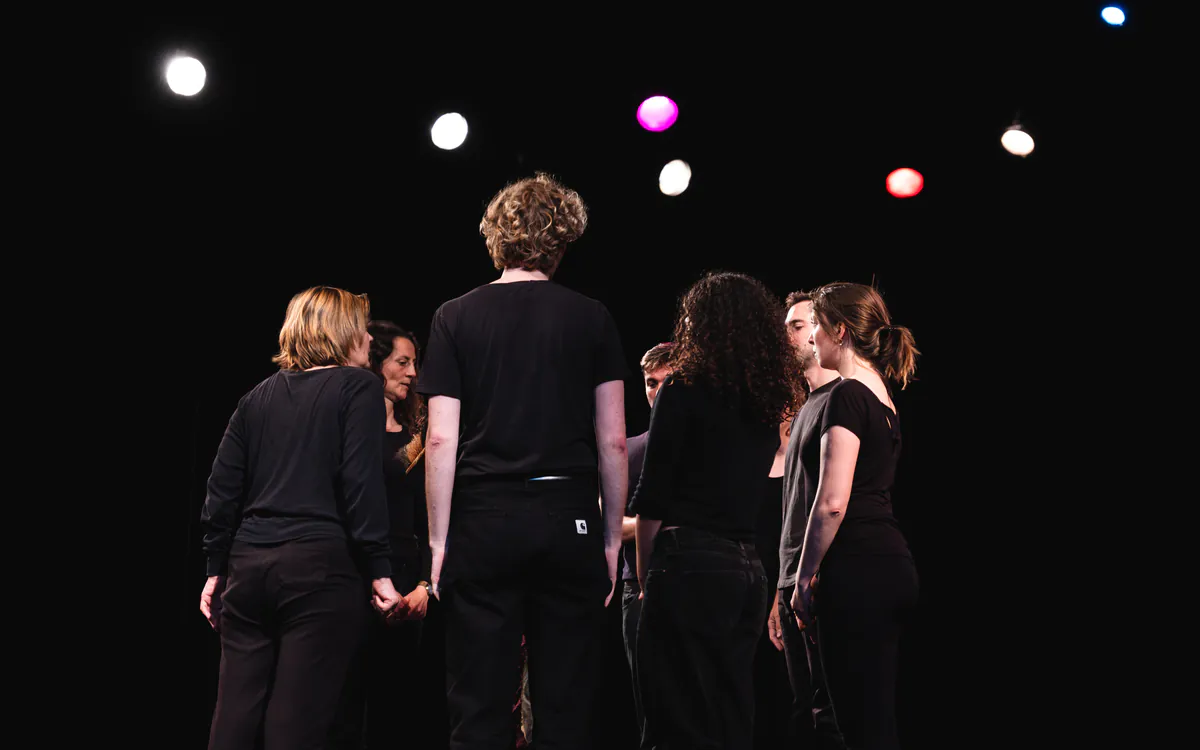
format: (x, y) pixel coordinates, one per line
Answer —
(800, 485)
(524, 359)
(869, 528)
(300, 459)
(406, 510)
(706, 464)
(636, 450)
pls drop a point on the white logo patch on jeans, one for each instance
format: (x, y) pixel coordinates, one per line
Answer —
(580, 526)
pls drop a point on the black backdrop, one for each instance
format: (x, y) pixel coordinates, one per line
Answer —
(306, 160)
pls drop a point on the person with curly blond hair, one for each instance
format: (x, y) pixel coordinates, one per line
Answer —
(526, 424)
(714, 433)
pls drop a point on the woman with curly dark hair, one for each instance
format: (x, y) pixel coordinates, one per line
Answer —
(525, 380)
(714, 431)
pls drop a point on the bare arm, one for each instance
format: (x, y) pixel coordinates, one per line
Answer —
(614, 468)
(628, 529)
(441, 451)
(839, 454)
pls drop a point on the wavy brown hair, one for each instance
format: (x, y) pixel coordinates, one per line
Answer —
(411, 413)
(889, 348)
(728, 337)
(529, 224)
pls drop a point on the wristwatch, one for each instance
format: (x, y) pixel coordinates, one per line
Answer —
(428, 588)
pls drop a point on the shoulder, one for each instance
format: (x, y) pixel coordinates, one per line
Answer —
(850, 390)
(357, 380)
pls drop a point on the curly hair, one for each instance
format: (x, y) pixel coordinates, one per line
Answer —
(728, 336)
(529, 224)
(411, 413)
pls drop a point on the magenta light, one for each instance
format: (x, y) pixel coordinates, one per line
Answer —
(657, 114)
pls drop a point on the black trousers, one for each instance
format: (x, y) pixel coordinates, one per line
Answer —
(523, 557)
(704, 610)
(291, 623)
(383, 703)
(631, 612)
(812, 723)
(861, 604)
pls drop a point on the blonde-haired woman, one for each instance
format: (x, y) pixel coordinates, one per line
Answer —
(294, 518)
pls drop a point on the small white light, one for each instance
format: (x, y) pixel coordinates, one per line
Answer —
(185, 76)
(449, 131)
(1113, 15)
(674, 177)
(1017, 141)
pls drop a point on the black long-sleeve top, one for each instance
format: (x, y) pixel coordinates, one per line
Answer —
(301, 459)
(706, 463)
(408, 516)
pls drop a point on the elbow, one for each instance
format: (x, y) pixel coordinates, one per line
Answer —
(614, 448)
(439, 441)
(832, 508)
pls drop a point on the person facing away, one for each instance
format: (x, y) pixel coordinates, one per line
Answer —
(714, 431)
(525, 381)
(295, 518)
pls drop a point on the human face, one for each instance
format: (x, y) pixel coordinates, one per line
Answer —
(653, 381)
(825, 343)
(799, 325)
(399, 369)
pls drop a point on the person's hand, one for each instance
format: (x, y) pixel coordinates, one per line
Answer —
(385, 598)
(802, 599)
(612, 555)
(416, 606)
(774, 625)
(210, 601)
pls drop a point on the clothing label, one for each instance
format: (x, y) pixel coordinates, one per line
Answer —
(580, 527)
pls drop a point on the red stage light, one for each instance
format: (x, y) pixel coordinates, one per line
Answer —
(905, 183)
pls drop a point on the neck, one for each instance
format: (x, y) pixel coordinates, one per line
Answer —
(818, 376)
(390, 408)
(520, 274)
(854, 367)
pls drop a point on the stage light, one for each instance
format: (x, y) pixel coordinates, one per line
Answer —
(657, 113)
(185, 76)
(1113, 15)
(675, 177)
(1017, 142)
(449, 131)
(905, 182)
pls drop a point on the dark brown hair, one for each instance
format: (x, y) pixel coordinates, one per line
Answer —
(657, 357)
(728, 337)
(796, 298)
(529, 224)
(410, 412)
(861, 310)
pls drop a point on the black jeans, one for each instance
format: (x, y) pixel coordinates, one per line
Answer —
(812, 723)
(704, 609)
(631, 612)
(523, 557)
(292, 621)
(861, 604)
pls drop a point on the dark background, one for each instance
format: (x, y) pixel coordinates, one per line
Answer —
(306, 160)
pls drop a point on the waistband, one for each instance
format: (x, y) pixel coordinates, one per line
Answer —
(687, 537)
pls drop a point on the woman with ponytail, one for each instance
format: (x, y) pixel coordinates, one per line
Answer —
(855, 558)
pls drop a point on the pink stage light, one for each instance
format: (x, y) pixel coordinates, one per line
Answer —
(905, 183)
(657, 113)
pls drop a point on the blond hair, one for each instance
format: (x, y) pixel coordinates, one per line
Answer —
(529, 224)
(321, 327)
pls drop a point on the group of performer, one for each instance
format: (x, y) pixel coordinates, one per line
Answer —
(497, 478)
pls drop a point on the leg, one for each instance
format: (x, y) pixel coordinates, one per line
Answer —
(631, 610)
(484, 620)
(322, 621)
(392, 686)
(566, 612)
(247, 653)
(693, 662)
